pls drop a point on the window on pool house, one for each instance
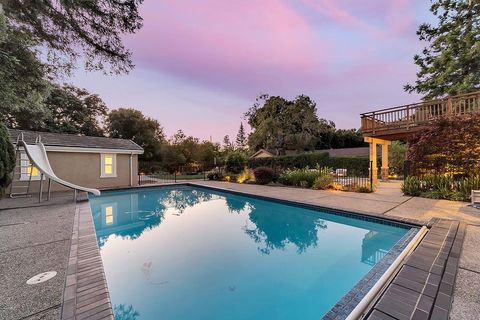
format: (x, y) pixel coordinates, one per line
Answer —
(109, 165)
(27, 169)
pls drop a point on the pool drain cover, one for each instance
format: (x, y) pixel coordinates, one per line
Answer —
(42, 277)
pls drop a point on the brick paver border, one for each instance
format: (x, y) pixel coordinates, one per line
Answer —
(86, 293)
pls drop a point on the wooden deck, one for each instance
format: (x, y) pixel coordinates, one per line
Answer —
(403, 121)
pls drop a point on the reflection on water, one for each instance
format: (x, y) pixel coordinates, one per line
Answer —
(186, 253)
(373, 247)
(125, 312)
(128, 215)
(276, 229)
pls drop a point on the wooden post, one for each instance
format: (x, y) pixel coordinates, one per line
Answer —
(373, 122)
(385, 168)
(408, 120)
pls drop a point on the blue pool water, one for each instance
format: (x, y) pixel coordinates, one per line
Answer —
(191, 253)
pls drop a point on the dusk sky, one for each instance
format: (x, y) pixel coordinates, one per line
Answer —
(200, 64)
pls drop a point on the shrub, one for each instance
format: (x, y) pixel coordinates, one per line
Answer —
(7, 158)
(247, 175)
(459, 196)
(412, 186)
(264, 175)
(323, 182)
(230, 177)
(304, 178)
(467, 184)
(441, 187)
(215, 174)
(364, 189)
(235, 162)
(298, 177)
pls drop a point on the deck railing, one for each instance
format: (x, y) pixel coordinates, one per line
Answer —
(412, 115)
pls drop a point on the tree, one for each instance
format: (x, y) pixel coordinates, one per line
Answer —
(207, 152)
(22, 79)
(132, 124)
(281, 124)
(63, 27)
(450, 65)
(227, 144)
(75, 110)
(396, 156)
(447, 145)
(241, 140)
(235, 162)
(7, 158)
(347, 138)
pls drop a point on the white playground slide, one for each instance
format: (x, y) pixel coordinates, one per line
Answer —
(37, 154)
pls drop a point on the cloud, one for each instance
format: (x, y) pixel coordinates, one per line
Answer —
(249, 45)
(198, 58)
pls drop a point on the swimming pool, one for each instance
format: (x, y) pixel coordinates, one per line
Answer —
(192, 253)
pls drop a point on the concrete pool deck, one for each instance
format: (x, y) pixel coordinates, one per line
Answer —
(35, 239)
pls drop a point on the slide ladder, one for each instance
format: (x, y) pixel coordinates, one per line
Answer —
(37, 155)
(22, 176)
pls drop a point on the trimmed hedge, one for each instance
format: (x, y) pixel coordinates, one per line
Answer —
(312, 160)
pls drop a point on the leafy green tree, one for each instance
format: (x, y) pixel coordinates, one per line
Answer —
(7, 158)
(22, 79)
(347, 138)
(451, 62)
(178, 137)
(281, 124)
(431, 152)
(396, 156)
(207, 152)
(64, 27)
(75, 110)
(241, 140)
(235, 162)
(171, 158)
(132, 124)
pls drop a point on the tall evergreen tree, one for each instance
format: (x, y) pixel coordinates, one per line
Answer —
(241, 140)
(227, 144)
(450, 64)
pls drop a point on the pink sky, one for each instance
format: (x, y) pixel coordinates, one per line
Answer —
(200, 64)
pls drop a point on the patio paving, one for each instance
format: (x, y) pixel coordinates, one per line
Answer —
(36, 237)
(466, 299)
(33, 239)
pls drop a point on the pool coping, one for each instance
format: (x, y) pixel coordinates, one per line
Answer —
(86, 294)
